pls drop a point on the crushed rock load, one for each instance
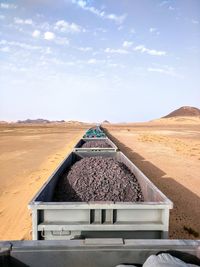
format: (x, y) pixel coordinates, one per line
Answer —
(98, 179)
(91, 144)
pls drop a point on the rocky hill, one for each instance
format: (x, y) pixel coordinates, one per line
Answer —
(184, 112)
(39, 121)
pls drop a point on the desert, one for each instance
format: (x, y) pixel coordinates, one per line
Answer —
(99, 133)
(28, 155)
(167, 150)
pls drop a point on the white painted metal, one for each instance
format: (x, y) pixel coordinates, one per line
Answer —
(105, 219)
(78, 147)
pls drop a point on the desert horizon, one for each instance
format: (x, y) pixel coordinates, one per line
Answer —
(167, 150)
(183, 113)
(99, 133)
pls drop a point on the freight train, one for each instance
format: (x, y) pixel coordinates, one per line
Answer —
(95, 233)
(52, 220)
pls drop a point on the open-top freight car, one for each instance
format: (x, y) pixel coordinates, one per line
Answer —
(106, 219)
(78, 147)
(95, 132)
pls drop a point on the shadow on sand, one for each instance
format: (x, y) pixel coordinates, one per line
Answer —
(185, 215)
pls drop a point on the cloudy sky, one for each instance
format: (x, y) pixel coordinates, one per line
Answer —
(120, 60)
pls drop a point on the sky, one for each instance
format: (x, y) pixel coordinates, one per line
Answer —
(87, 60)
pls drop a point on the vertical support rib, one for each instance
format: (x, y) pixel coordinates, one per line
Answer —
(165, 220)
(34, 224)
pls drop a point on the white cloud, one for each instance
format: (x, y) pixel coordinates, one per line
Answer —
(2, 17)
(166, 71)
(61, 41)
(154, 31)
(49, 36)
(48, 50)
(5, 49)
(132, 31)
(54, 60)
(101, 30)
(81, 3)
(14, 68)
(45, 26)
(194, 21)
(7, 6)
(95, 11)
(23, 21)
(117, 19)
(127, 44)
(167, 5)
(21, 45)
(102, 14)
(92, 61)
(36, 34)
(85, 49)
(116, 51)
(163, 3)
(115, 65)
(156, 70)
(171, 8)
(152, 52)
(64, 26)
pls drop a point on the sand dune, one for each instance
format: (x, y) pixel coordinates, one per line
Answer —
(179, 120)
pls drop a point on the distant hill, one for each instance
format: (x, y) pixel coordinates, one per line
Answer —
(106, 122)
(34, 121)
(184, 112)
(74, 122)
(39, 121)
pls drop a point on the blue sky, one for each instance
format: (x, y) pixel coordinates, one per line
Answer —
(120, 60)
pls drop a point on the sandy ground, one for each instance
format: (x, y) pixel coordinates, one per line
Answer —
(168, 152)
(28, 155)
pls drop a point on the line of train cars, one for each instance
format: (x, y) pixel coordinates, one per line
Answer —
(70, 229)
(67, 219)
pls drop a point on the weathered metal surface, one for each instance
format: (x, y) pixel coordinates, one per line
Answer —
(89, 252)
